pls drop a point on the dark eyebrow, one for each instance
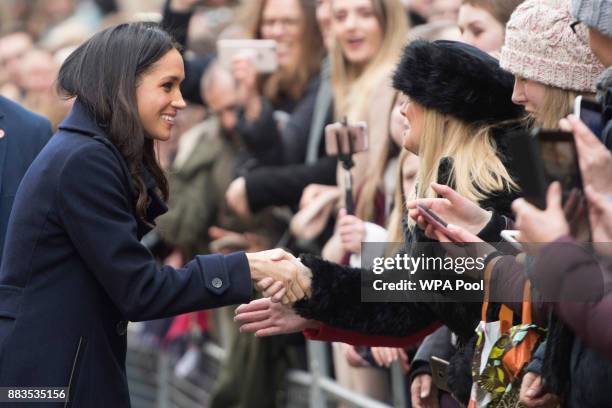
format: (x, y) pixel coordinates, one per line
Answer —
(172, 78)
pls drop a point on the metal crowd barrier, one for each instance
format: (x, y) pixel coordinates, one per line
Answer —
(153, 384)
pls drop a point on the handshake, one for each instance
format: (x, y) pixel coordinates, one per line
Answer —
(279, 275)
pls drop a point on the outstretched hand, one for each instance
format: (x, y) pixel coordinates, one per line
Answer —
(279, 275)
(266, 318)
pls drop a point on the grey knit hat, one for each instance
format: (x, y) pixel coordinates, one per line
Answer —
(596, 14)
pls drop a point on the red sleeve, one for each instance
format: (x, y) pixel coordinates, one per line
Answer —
(328, 333)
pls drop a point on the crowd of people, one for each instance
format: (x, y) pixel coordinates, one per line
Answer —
(166, 156)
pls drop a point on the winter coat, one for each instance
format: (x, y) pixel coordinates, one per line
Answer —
(336, 293)
(573, 281)
(75, 272)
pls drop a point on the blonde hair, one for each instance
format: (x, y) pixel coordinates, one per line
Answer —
(366, 208)
(476, 172)
(352, 86)
(558, 103)
(395, 224)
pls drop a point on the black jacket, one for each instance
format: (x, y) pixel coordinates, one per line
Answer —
(336, 292)
(283, 185)
(74, 271)
(336, 298)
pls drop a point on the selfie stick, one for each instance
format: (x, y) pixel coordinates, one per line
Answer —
(347, 165)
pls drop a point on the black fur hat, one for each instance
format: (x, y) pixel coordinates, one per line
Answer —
(456, 79)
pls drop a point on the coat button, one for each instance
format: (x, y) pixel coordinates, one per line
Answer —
(217, 283)
(122, 327)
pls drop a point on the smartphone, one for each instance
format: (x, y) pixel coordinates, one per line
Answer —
(589, 111)
(527, 168)
(346, 139)
(262, 52)
(541, 157)
(439, 372)
(434, 219)
(544, 156)
(510, 236)
(559, 158)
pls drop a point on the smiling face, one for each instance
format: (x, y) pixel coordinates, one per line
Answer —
(530, 94)
(158, 96)
(282, 21)
(414, 116)
(480, 29)
(357, 30)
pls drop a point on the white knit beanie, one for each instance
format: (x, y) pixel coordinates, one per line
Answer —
(541, 46)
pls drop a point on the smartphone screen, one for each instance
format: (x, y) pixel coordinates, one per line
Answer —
(560, 160)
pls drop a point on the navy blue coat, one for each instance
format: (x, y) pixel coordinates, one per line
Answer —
(74, 271)
(25, 134)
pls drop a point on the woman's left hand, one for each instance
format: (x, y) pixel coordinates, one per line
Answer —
(266, 318)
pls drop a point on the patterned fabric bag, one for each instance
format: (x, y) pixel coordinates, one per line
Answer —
(502, 352)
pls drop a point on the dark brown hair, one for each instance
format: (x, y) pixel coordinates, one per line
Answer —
(292, 81)
(103, 74)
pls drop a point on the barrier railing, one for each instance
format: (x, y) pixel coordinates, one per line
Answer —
(153, 383)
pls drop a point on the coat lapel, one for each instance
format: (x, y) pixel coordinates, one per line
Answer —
(82, 121)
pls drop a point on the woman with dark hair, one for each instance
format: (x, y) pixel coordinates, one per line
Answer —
(74, 271)
(276, 110)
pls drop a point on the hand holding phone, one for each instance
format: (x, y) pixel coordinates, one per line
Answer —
(435, 220)
(542, 157)
(261, 52)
